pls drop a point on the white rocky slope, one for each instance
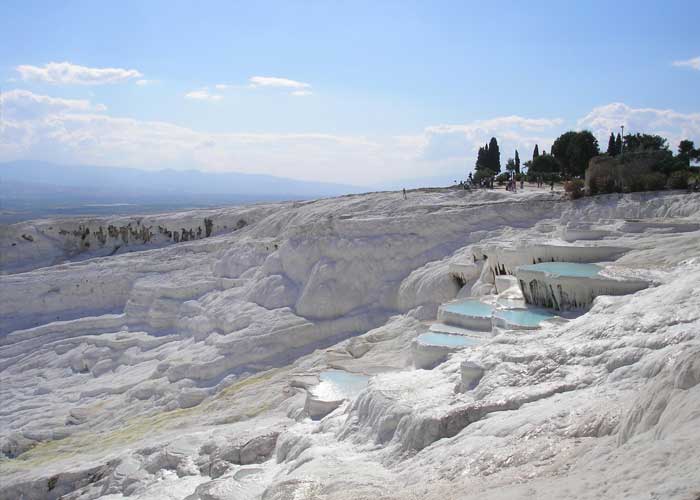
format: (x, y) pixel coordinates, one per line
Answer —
(180, 371)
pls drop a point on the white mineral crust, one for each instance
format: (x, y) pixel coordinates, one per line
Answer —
(155, 369)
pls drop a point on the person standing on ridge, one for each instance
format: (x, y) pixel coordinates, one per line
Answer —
(404, 193)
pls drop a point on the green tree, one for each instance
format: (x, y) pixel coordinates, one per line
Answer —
(494, 155)
(483, 174)
(695, 155)
(669, 164)
(644, 142)
(517, 162)
(544, 164)
(618, 144)
(686, 147)
(612, 149)
(536, 152)
(510, 165)
(482, 161)
(686, 151)
(573, 151)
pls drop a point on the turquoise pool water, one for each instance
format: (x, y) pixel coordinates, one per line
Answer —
(469, 307)
(524, 317)
(565, 269)
(339, 384)
(447, 340)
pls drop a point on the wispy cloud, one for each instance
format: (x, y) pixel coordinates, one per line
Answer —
(693, 63)
(144, 82)
(295, 88)
(203, 95)
(21, 104)
(271, 81)
(65, 73)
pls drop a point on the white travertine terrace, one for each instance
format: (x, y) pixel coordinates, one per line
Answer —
(504, 260)
(562, 292)
(181, 370)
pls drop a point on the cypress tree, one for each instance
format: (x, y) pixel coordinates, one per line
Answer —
(536, 152)
(517, 162)
(494, 155)
(480, 158)
(618, 144)
(612, 147)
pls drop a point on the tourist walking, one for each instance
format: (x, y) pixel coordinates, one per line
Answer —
(404, 193)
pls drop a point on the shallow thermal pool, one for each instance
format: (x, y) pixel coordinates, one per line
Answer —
(524, 317)
(446, 339)
(339, 384)
(565, 269)
(469, 307)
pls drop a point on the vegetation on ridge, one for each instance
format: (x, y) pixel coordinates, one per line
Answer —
(635, 162)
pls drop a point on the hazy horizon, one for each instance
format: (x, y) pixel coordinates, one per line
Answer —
(35, 189)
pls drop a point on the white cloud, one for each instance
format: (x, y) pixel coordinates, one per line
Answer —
(271, 81)
(456, 146)
(23, 105)
(67, 73)
(75, 131)
(203, 95)
(693, 63)
(83, 136)
(80, 135)
(297, 89)
(671, 124)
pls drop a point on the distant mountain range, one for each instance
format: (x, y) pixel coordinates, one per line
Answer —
(30, 189)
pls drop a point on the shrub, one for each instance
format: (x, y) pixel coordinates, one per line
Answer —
(503, 178)
(678, 179)
(483, 173)
(543, 165)
(609, 185)
(603, 184)
(670, 164)
(654, 181)
(574, 188)
(636, 183)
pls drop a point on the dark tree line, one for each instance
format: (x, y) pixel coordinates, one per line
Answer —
(572, 152)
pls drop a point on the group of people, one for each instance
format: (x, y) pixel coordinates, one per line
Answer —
(512, 184)
(484, 183)
(540, 182)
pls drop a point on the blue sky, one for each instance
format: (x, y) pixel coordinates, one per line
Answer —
(357, 92)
